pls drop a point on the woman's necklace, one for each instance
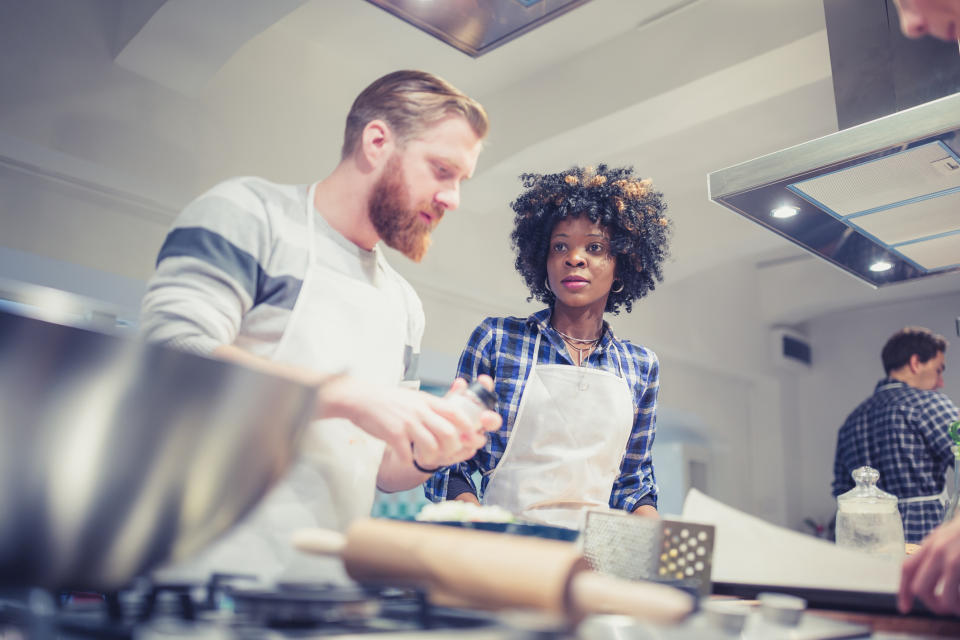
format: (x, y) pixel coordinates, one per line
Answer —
(580, 350)
(589, 344)
(572, 339)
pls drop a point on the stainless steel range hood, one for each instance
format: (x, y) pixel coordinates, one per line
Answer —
(880, 200)
(476, 28)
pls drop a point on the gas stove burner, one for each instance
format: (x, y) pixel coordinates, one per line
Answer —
(324, 590)
(304, 604)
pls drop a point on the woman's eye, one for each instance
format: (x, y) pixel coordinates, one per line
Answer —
(596, 247)
(559, 247)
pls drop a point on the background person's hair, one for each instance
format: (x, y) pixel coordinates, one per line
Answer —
(630, 209)
(909, 341)
(410, 102)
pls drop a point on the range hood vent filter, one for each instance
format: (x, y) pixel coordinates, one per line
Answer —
(935, 253)
(880, 184)
(908, 202)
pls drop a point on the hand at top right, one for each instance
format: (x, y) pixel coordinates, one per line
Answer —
(932, 574)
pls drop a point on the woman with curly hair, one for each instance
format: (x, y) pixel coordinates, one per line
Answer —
(578, 403)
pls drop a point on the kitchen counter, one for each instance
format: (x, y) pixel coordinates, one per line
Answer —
(890, 626)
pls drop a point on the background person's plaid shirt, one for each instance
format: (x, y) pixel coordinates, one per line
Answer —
(902, 432)
(503, 349)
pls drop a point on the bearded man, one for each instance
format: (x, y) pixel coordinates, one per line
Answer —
(292, 279)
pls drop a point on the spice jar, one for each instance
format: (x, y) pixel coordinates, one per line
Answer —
(473, 400)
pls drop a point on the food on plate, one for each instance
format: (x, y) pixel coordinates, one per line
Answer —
(459, 511)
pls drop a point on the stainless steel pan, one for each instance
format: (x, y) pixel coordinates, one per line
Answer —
(117, 456)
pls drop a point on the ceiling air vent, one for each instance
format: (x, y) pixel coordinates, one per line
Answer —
(790, 349)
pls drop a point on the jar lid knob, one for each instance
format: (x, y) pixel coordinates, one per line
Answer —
(865, 475)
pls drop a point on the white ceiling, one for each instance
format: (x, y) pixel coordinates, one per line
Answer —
(161, 109)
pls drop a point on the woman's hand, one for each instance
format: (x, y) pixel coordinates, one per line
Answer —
(466, 496)
(647, 511)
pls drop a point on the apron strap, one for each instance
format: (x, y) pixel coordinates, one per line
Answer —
(311, 212)
(941, 497)
(617, 355)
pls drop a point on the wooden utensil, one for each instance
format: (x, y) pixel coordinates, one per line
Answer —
(480, 569)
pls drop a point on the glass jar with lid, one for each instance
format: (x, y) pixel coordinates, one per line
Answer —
(868, 518)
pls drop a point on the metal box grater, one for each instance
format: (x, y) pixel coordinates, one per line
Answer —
(637, 548)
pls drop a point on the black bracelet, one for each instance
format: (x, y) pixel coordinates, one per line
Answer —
(422, 470)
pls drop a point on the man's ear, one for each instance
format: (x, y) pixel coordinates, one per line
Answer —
(376, 142)
(915, 363)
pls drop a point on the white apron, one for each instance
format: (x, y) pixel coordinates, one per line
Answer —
(338, 324)
(566, 446)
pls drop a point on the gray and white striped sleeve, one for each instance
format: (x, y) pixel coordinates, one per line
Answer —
(208, 270)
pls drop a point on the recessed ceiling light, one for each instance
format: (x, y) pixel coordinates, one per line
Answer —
(881, 265)
(785, 211)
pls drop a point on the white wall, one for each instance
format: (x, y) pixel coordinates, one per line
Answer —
(846, 366)
(718, 386)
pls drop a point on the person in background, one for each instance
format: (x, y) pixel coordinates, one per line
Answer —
(291, 279)
(938, 18)
(902, 431)
(933, 573)
(578, 403)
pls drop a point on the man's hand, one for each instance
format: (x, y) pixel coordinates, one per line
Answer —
(475, 435)
(932, 574)
(436, 430)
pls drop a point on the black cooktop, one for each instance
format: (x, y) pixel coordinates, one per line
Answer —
(229, 607)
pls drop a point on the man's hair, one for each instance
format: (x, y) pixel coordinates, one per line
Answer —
(907, 342)
(633, 212)
(410, 102)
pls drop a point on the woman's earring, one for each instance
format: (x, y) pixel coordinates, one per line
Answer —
(546, 284)
(617, 287)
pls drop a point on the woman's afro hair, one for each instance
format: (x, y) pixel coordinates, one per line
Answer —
(629, 208)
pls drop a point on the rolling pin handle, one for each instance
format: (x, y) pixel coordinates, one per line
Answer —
(597, 593)
(321, 541)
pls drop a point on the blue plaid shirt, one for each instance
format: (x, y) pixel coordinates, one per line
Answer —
(503, 349)
(901, 432)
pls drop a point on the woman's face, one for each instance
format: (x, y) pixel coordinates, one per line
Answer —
(580, 266)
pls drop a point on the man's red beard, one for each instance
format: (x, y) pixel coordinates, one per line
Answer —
(397, 224)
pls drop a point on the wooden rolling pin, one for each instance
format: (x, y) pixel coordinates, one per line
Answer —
(486, 570)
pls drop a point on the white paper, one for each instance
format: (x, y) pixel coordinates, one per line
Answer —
(748, 550)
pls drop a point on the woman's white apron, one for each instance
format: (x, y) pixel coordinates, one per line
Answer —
(567, 444)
